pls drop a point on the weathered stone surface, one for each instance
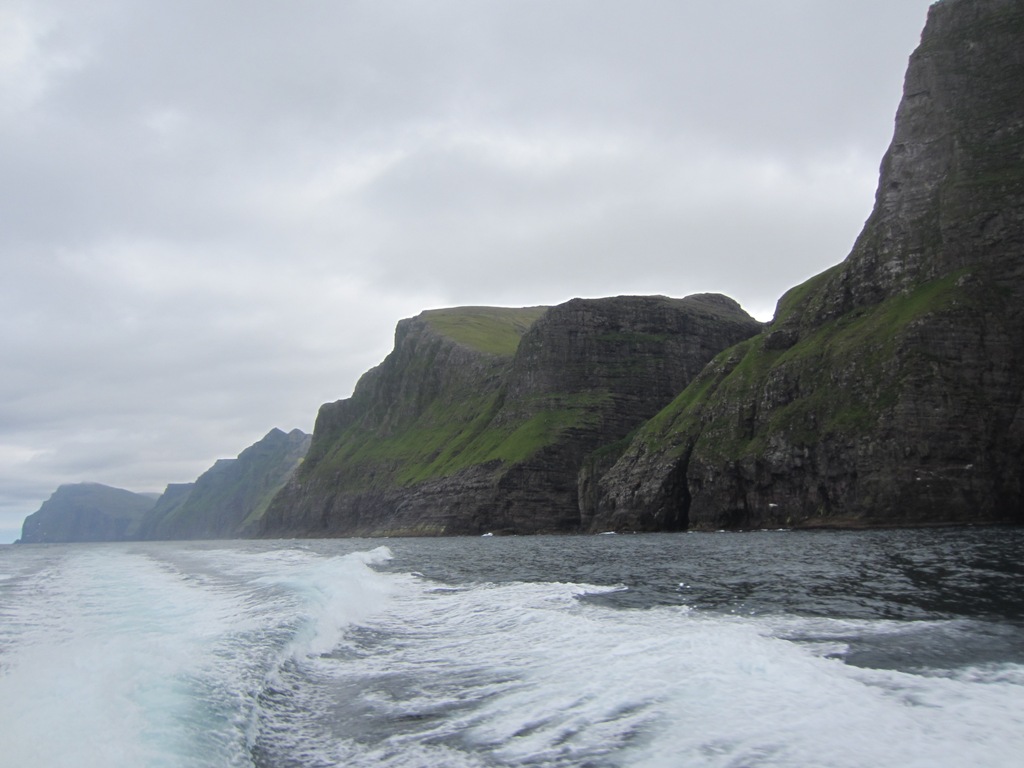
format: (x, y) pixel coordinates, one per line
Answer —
(451, 437)
(614, 363)
(87, 512)
(889, 389)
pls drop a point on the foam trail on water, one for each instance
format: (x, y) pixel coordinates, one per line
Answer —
(527, 674)
(116, 658)
(150, 655)
(100, 675)
(738, 695)
(338, 592)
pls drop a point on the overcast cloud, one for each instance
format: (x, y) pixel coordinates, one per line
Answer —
(214, 213)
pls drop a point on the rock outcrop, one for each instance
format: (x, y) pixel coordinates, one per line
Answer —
(497, 420)
(87, 512)
(888, 390)
(230, 498)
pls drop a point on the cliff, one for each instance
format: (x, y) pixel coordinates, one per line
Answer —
(87, 512)
(889, 389)
(226, 501)
(230, 498)
(487, 419)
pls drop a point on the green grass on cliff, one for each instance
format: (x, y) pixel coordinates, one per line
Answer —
(367, 457)
(795, 298)
(493, 330)
(452, 436)
(513, 441)
(833, 380)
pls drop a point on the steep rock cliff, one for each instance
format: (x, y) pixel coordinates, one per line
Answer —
(87, 512)
(599, 368)
(482, 419)
(230, 498)
(412, 424)
(889, 389)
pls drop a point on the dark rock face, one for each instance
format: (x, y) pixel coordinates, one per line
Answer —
(445, 437)
(228, 500)
(617, 362)
(87, 512)
(888, 390)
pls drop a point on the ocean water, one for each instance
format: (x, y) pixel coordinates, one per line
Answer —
(882, 648)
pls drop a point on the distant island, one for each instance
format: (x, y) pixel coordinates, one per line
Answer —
(886, 391)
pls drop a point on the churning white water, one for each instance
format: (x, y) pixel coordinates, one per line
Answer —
(347, 653)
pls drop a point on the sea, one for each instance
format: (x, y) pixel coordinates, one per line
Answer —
(778, 648)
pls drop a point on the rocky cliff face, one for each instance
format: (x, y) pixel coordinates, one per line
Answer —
(889, 389)
(87, 512)
(602, 367)
(229, 499)
(412, 422)
(484, 419)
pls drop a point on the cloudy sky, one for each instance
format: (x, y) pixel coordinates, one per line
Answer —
(213, 213)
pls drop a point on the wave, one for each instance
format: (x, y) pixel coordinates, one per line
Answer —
(289, 657)
(121, 657)
(530, 674)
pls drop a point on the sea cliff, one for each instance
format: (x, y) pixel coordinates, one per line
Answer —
(230, 498)
(888, 390)
(455, 433)
(226, 501)
(87, 512)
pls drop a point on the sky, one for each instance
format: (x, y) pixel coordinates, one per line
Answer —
(213, 214)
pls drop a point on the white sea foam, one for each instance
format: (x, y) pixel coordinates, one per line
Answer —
(527, 674)
(164, 656)
(336, 593)
(98, 666)
(118, 659)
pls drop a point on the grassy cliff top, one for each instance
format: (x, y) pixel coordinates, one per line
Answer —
(494, 330)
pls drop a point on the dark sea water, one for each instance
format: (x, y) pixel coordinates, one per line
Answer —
(882, 648)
